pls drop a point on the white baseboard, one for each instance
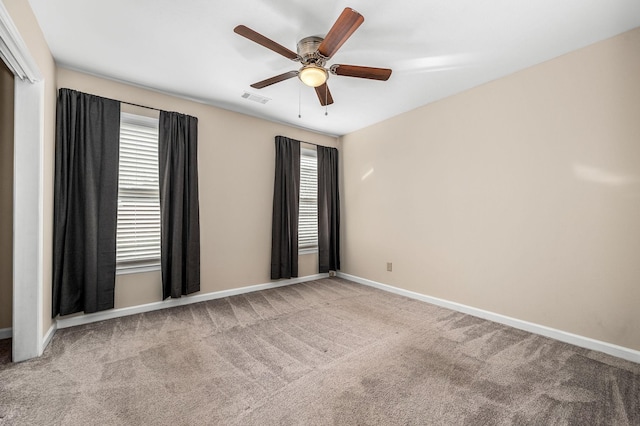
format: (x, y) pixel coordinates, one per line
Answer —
(47, 337)
(563, 336)
(186, 300)
(6, 333)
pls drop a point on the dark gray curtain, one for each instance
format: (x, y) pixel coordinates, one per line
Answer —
(179, 206)
(286, 194)
(85, 205)
(328, 210)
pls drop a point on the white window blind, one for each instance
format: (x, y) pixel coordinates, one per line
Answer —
(138, 230)
(308, 213)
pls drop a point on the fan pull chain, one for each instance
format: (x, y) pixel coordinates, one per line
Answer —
(299, 102)
(326, 100)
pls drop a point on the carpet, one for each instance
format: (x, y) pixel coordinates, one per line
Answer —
(319, 353)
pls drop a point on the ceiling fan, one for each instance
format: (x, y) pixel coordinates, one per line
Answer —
(313, 54)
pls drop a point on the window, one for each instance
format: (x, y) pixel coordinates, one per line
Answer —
(138, 230)
(308, 214)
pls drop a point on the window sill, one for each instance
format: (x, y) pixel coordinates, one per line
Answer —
(136, 269)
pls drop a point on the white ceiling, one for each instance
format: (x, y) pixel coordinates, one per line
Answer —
(436, 48)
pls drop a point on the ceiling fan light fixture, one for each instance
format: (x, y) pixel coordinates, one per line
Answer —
(313, 75)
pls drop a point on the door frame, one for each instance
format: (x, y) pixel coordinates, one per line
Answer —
(28, 192)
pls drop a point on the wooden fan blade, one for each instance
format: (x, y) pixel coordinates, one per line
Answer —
(361, 72)
(324, 95)
(348, 21)
(268, 43)
(273, 80)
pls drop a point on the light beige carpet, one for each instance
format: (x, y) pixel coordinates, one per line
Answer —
(323, 352)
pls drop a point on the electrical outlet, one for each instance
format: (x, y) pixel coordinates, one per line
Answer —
(389, 266)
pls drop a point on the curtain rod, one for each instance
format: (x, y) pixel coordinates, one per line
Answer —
(308, 143)
(118, 100)
(138, 105)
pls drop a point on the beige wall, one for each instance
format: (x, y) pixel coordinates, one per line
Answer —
(520, 197)
(25, 21)
(236, 157)
(6, 195)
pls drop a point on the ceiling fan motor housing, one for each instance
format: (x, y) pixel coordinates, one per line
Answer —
(308, 51)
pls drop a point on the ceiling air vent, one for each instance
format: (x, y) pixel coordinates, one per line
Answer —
(255, 98)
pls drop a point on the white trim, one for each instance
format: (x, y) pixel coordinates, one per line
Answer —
(6, 333)
(170, 303)
(14, 51)
(28, 191)
(47, 337)
(28, 220)
(563, 336)
(312, 151)
(140, 120)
